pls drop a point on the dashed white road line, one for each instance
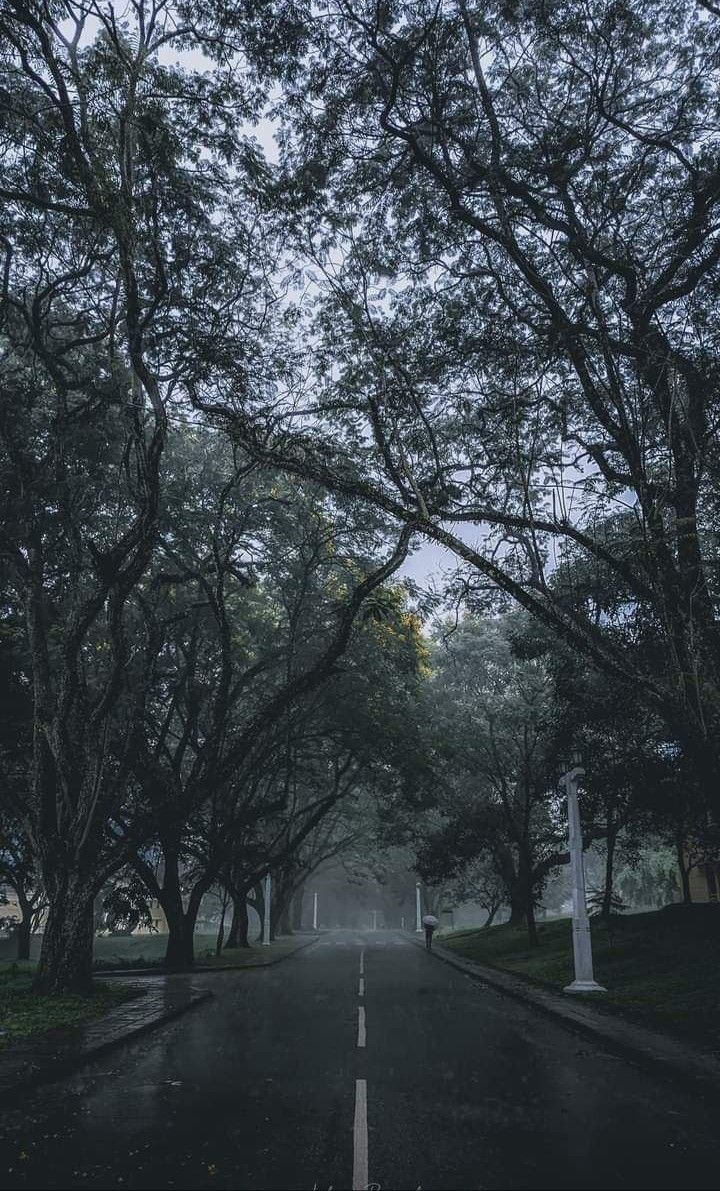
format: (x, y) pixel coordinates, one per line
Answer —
(362, 963)
(361, 990)
(361, 1026)
(360, 1137)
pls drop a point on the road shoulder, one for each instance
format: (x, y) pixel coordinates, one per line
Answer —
(678, 1060)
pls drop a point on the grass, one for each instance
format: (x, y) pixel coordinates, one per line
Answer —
(118, 952)
(139, 951)
(24, 1013)
(661, 968)
(127, 951)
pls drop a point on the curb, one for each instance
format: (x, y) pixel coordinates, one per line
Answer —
(59, 1065)
(201, 969)
(656, 1052)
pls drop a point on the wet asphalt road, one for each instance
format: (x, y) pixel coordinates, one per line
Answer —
(264, 1087)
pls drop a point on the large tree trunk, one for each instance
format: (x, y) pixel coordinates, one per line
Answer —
(180, 951)
(530, 920)
(281, 916)
(518, 906)
(684, 872)
(23, 936)
(66, 954)
(259, 904)
(491, 912)
(220, 940)
(607, 899)
(297, 908)
(23, 933)
(524, 894)
(238, 934)
(281, 898)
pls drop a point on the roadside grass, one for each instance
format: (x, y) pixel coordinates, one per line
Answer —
(138, 951)
(119, 952)
(248, 957)
(24, 1013)
(661, 968)
(126, 951)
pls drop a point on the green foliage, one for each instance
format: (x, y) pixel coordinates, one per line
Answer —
(509, 217)
(489, 717)
(24, 1013)
(596, 902)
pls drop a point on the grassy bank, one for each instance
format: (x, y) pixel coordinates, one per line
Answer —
(24, 1013)
(662, 969)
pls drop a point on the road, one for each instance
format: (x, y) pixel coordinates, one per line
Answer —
(301, 1076)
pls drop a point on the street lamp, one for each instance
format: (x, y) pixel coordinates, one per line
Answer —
(584, 981)
(266, 913)
(418, 911)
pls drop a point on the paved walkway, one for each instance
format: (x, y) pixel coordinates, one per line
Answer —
(25, 1064)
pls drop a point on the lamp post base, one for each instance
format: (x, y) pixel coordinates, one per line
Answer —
(581, 986)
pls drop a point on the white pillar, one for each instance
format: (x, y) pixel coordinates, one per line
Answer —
(582, 943)
(402, 922)
(418, 911)
(266, 914)
(315, 920)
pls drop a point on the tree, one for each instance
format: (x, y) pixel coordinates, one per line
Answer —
(515, 230)
(478, 882)
(247, 614)
(18, 863)
(494, 748)
(134, 261)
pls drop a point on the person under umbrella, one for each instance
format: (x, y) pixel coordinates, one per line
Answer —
(429, 922)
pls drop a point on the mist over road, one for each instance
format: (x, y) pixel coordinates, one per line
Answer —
(358, 1061)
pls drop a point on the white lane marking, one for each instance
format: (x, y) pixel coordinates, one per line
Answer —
(360, 1138)
(361, 990)
(362, 963)
(361, 1026)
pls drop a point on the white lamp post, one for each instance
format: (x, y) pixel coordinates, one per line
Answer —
(266, 913)
(315, 916)
(582, 943)
(418, 911)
